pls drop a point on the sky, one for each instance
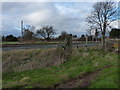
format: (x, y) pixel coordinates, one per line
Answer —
(63, 16)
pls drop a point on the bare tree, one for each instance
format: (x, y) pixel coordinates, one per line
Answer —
(46, 32)
(101, 17)
(28, 35)
(30, 28)
(63, 35)
(28, 32)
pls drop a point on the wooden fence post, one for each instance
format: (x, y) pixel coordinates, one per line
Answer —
(118, 44)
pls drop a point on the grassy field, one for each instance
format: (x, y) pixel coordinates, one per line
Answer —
(29, 42)
(108, 78)
(55, 72)
(41, 42)
(9, 42)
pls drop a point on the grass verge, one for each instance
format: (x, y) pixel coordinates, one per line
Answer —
(80, 62)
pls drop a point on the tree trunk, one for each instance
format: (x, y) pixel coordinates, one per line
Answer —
(103, 42)
(103, 36)
(48, 39)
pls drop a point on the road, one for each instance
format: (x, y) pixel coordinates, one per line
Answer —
(6, 47)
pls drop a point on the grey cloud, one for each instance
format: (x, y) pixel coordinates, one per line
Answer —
(38, 14)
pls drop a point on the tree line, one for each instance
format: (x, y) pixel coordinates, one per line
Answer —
(42, 35)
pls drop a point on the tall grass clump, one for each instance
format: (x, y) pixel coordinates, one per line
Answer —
(21, 60)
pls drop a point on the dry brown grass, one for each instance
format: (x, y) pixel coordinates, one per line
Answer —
(21, 60)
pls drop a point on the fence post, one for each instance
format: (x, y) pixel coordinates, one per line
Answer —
(118, 45)
(86, 39)
(68, 46)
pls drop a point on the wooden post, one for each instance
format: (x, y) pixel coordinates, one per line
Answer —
(118, 44)
(86, 39)
(92, 38)
(68, 46)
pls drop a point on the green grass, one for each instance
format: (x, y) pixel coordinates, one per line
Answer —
(79, 62)
(38, 42)
(28, 42)
(108, 78)
(9, 42)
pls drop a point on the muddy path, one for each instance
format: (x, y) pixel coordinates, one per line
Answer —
(83, 81)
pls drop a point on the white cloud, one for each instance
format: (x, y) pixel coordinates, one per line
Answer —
(38, 17)
(66, 10)
(115, 24)
(68, 16)
(54, 0)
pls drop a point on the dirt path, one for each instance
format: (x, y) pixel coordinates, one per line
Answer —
(83, 81)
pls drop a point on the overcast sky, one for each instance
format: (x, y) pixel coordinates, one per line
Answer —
(63, 16)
